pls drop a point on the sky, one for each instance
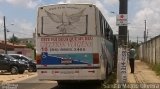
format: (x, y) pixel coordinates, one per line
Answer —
(21, 15)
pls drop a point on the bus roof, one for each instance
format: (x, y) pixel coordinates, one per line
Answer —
(66, 4)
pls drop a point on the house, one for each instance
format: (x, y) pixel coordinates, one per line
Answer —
(16, 48)
(26, 41)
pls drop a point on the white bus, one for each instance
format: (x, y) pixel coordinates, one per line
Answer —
(73, 42)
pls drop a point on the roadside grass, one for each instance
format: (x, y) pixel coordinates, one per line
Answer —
(156, 68)
(110, 81)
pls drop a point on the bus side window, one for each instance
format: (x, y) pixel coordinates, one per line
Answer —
(106, 32)
(111, 35)
(104, 27)
(102, 24)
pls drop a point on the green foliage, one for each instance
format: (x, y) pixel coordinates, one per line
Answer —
(111, 80)
(29, 45)
(14, 40)
(156, 68)
(134, 44)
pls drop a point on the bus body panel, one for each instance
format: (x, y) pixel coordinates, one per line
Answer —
(81, 60)
(66, 19)
(69, 74)
(70, 45)
(81, 50)
(83, 63)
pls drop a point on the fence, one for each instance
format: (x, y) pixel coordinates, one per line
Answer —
(150, 51)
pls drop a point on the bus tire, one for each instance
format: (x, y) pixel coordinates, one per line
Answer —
(61, 83)
(107, 71)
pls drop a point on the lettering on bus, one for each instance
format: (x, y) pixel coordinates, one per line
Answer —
(66, 49)
(52, 39)
(66, 43)
(62, 7)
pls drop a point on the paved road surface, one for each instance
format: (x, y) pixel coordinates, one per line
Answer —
(34, 83)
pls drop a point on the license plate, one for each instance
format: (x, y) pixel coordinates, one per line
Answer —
(66, 61)
(67, 72)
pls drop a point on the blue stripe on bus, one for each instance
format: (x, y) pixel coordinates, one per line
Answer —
(76, 58)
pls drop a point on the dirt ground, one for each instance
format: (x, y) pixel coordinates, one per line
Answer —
(8, 78)
(143, 74)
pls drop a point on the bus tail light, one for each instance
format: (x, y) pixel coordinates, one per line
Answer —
(56, 72)
(95, 58)
(76, 71)
(43, 71)
(38, 58)
(91, 71)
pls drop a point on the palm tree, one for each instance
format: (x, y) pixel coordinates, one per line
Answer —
(14, 39)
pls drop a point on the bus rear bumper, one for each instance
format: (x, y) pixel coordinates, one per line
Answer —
(69, 74)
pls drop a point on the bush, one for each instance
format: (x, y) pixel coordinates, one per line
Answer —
(156, 68)
(112, 80)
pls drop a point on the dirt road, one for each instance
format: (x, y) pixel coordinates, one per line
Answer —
(9, 78)
(143, 74)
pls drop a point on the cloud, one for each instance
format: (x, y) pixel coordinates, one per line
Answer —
(143, 10)
(26, 27)
(80, 1)
(1, 26)
(111, 19)
(1, 20)
(149, 12)
(21, 29)
(25, 3)
(91, 1)
(111, 1)
(98, 3)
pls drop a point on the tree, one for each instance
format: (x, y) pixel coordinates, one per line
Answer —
(14, 39)
(29, 45)
(134, 44)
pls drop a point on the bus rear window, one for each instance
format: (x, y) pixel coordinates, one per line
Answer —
(54, 24)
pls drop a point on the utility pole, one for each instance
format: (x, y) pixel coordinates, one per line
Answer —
(65, 1)
(122, 45)
(145, 35)
(128, 38)
(137, 41)
(123, 29)
(5, 41)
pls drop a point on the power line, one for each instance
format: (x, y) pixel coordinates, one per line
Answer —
(22, 34)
